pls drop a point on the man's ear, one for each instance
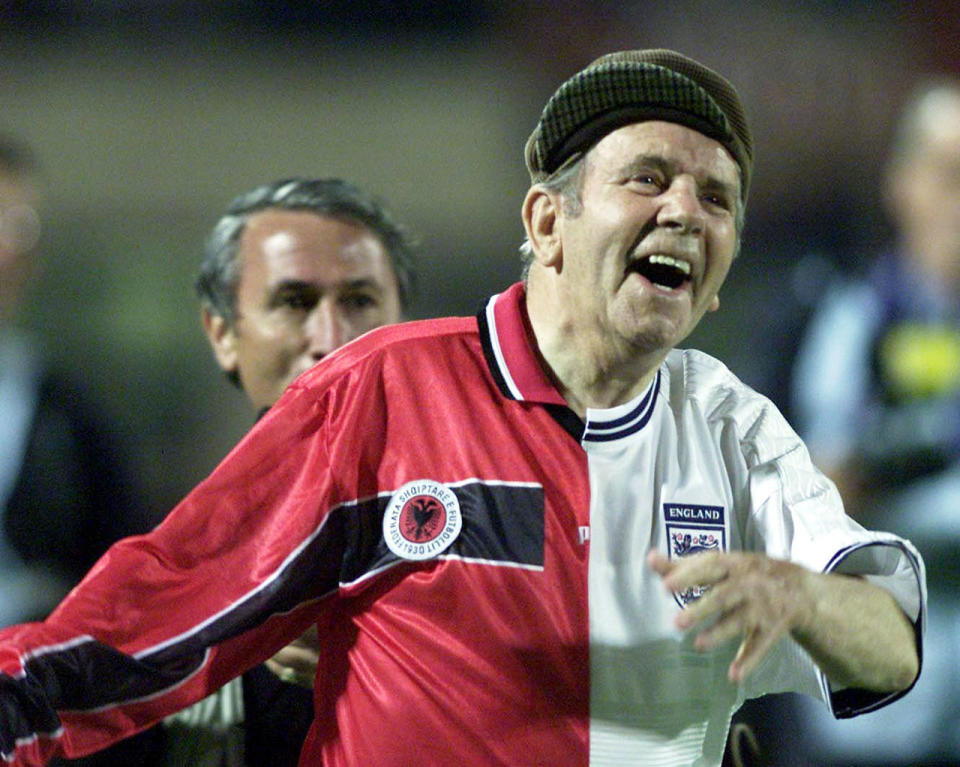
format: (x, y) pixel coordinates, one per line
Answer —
(223, 339)
(540, 220)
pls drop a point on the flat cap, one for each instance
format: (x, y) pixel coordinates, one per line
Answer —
(630, 86)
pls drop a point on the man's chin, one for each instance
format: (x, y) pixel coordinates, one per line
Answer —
(659, 332)
(647, 344)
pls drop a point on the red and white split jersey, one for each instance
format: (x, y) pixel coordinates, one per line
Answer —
(473, 556)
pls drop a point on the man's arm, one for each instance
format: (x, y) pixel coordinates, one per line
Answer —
(232, 575)
(855, 631)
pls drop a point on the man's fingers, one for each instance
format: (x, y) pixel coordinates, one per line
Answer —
(753, 648)
(728, 626)
(298, 675)
(738, 595)
(658, 563)
(692, 572)
(716, 601)
(697, 570)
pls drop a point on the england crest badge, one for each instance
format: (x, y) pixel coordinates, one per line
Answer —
(692, 529)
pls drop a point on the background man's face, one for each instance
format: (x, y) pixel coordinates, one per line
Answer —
(924, 192)
(308, 284)
(19, 229)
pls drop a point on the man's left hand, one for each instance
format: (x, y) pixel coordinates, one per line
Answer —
(748, 595)
(297, 662)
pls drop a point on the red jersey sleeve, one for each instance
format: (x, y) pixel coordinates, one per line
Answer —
(234, 573)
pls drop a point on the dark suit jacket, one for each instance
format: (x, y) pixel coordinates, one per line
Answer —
(74, 495)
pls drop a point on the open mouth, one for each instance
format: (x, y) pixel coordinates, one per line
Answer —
(663, 271)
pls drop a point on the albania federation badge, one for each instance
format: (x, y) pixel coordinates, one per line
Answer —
(421, 520)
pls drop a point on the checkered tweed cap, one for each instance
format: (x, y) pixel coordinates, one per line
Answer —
(630, 86)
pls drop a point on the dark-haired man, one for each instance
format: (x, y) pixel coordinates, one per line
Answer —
(292, 271)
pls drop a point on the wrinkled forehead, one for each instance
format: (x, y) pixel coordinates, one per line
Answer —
(670, 146)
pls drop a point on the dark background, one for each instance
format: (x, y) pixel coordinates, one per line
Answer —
(149, 116)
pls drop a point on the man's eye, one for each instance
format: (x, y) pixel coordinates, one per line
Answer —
(717, 201)
(359, 301)
(297, 301)
(646, 183)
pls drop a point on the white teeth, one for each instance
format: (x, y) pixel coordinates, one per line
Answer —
(676, 263)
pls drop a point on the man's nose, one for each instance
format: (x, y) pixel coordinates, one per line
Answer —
(325, 329)
(681, 208)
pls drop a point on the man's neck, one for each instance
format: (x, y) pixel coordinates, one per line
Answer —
(587, 375)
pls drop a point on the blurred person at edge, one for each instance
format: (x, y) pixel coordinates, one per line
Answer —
(292, 271)
(877, 396)
(66, 490)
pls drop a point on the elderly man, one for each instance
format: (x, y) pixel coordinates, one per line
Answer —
(292, 271)
(538, 536)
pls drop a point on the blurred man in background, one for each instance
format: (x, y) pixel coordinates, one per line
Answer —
(64, 493)
(293, 270)
(877, 399)
(66, 490)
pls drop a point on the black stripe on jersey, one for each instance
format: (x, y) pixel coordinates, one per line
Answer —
(83, 675)
(569, 421)
(502, 524)
(20, 699)
(486, 343)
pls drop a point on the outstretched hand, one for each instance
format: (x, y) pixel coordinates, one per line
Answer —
(751, 596)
